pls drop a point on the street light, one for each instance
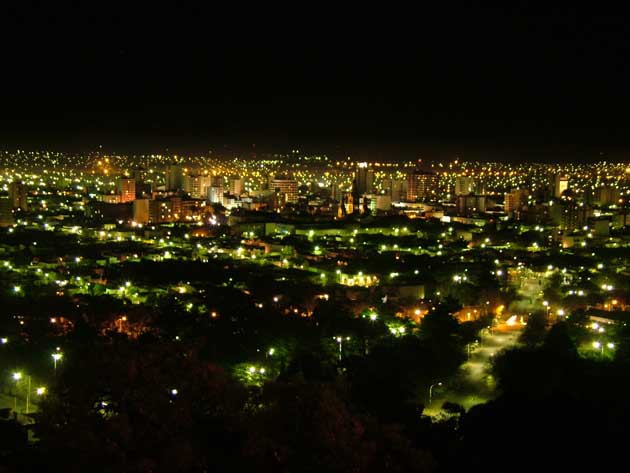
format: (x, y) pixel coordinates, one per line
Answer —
(340, 340)
(431, 391)
(28, 395)
(56, 357)
(546, 304)
(600, 346)
(17, 376)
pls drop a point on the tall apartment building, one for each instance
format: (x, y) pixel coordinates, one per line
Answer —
(464, 185)
(421, 185)
(6, 213)
(197, 185)
(365, 179)
(470, 204)
(215, 194)
(561, 184)
(174, 179)
(287, 190)
(607, 195)
(18, 196)
(126, 189)
(396, 189)
(236, 185)
(141, 211)
(515, 201)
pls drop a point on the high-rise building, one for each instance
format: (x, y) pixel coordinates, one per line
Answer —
(215, 194)
(236, 185)
(126, 189)
(515, 201)
(470, 204)
(287, 190)
(197, 185)
(161, 211)
(18, 196)
(607, 195)
(364, 179)
(6, 213)
(396, 189)
(174, 180)
(464, 185)
(336, 192)
(570, 215)
(141, 211)
(421, 185)
(561, 184)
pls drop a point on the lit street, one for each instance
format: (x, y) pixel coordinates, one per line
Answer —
(474, 384)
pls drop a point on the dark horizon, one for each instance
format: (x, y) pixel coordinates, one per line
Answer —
(500, 84)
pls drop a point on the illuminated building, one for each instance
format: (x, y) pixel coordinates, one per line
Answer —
(141, 210)
(464, 185)
(174, 178)
(6, 213)
(606, 195)
(215, 191)
(286, 189)
(110, 198)
(396, 189)
(421, 185)
(126, 189)
(197, 185)
(18, 196)
(516, 201)
(215, 194)
(364, 179)
(570, 215)
(470, 204)
(236, 185)
(561, 184)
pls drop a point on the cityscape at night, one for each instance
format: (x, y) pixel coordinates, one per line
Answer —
(305, 248)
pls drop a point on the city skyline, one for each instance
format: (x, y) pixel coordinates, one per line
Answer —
(311, 239)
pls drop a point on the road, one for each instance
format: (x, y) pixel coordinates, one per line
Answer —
(9, 401)
(474, 384)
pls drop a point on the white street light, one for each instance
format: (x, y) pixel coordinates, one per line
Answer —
(431, 391)
(340, 341)
(56, 357)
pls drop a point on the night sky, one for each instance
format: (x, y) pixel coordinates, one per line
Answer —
(515, 83)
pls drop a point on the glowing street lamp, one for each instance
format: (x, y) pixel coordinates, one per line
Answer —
(56, 357)
(431, 391)
(340, 341)
(17, 376)
(547, 306)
